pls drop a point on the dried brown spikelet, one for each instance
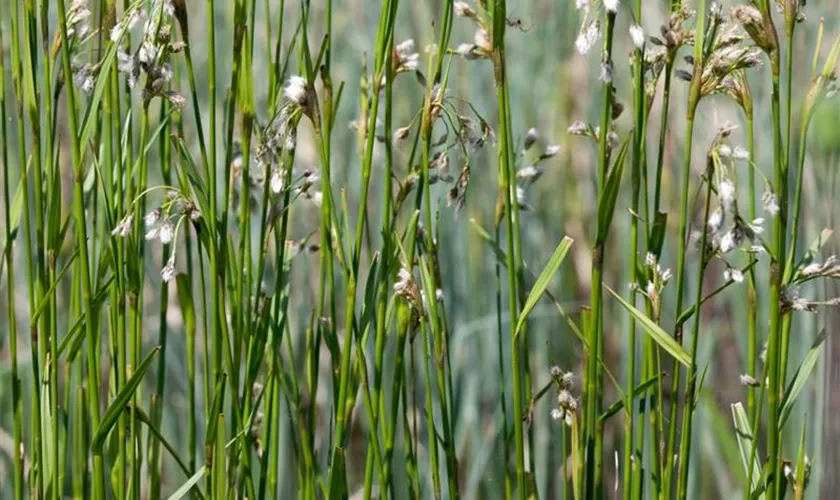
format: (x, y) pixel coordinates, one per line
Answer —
(457, 195)
(757, 26)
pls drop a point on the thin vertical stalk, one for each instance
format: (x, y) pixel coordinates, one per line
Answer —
(502, 378)
(135, 453)
(386, 67)
(591, 436)
(47, 256)
(111, 157)
(155, 460)
(752, 293)
(17, 401)
(384, 277)
(217, 260)
(693, 102)
(81, 241)
(511, 207)
(675, 372)
(788, 262)
(691, 379)
(382, 68)
(27, 95)
(663, 133)
(638, 145)
(776, 275)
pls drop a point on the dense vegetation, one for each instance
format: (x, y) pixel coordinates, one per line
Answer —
(267, 249)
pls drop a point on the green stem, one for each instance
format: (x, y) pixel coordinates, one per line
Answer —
(693, 102)
(752, 294)
(638, 146)
(514, 266)
(17, 401)
(502, 379)
(592, 438)
(384, 273)
(691, 381)
(794, 233)
(776, 286)
(663, 133)
(81, 240)
(156, 411)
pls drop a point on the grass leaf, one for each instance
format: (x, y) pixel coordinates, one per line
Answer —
(743, 434)
(122, 399)
(655, 331)
(543, 280)
(619, 405)
(800, 378)
(185, 488)
(608, 199)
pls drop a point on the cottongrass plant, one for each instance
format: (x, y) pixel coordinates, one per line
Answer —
(181, 233)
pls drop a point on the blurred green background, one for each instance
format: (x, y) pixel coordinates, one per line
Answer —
(551, 86)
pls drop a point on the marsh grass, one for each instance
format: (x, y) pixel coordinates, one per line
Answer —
(218, 307)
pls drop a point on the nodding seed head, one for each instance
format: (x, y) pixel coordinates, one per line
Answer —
(530, 138)
(770, 202)
(168, 271)
(587, 37)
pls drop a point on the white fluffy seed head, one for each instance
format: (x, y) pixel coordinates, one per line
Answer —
(295, 90)
(732, 274)
(168, 271)
(463, 9)
(637, 35)
(770, 203)
(727, 242)
(748, 380)
(726, 192)
(405, 47)
(587, 38)
(741, 154)
(530, 138)
(167, 232)
(551, 150)
(276, 182)
(482, 39)
(529, 173)
(578, 127)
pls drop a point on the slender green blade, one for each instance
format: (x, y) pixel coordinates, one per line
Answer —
(800, 378)
(606, 206)
(120, 402)
(543, 280)
(655, 331)
(619, 405)
(745, 443)
(188, 485)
